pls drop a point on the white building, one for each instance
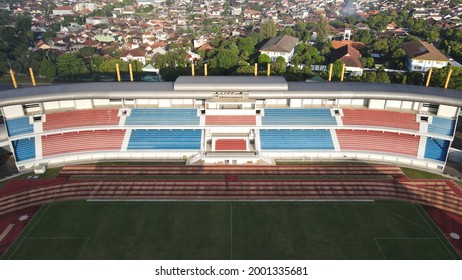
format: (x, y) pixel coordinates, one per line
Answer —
(63, 10)
(97, 20)
(282, 45)
(132, 55)
(85, 7)
(421, 56)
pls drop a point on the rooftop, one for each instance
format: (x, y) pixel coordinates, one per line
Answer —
(260, 87)
(423, 51)
(282, 43)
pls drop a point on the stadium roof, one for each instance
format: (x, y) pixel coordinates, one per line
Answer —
(233, 83)
(260, 87)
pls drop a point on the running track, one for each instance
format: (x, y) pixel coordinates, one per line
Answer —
(25, 196)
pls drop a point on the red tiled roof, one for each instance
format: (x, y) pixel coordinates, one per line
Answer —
(133, 53)
(64, 8)
(347, 54)
(339, 44)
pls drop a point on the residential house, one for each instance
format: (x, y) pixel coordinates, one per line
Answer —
(85, 7)
(350, 57)
(131, 55)
(96, 20)
(282, 45)
(63, 11)
(421, 56)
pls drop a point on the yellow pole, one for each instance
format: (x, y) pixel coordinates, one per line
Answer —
(118, 72)
(31, 71)
(429, 77)
(13, 78)
(269, 69)
(131, 72)
(255, 69)
(343, 72)
(192, 70)
(330, 71)
(447, 79)
(205, 69)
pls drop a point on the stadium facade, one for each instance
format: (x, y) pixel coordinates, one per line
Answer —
(229, 120)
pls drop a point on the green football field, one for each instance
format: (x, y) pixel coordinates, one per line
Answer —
(231, 230)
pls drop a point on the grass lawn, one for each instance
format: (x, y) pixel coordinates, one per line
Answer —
(2, 183)
(231, 230)
(419, 174)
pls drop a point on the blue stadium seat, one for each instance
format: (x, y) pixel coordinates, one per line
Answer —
(436, 149)
(295, 139)
(19, 126)
(163, 117)
(24, 148)
(298, 117)
(442, 126)
(164, 139)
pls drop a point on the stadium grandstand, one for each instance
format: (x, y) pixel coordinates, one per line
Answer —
(228, 120)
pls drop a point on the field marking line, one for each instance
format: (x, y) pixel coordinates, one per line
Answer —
(231, 230)
(411, 222)
(57, 238)
(377, 243)
(434, 230)
(27, 234)
(6, 231)
(406, 238)
(84, 246)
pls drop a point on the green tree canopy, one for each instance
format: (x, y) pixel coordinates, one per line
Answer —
(322, 31)
(337, 68)
(264, 58)
(69, 65)
(279, 67)
(268, 28)
(48, 69)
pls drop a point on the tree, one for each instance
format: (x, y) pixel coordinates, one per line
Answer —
(109, 66)
(247, 44)
(370, 77)
(23, 23)
(5, 17)
(382, 77)
(264, 58)
(322, 31)
(381, 46)
(337, 68)
(363, 36)
(87, 51)
(280, 65)
(226, 59)
(48, 69)
(69, 64)
(268, 28)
